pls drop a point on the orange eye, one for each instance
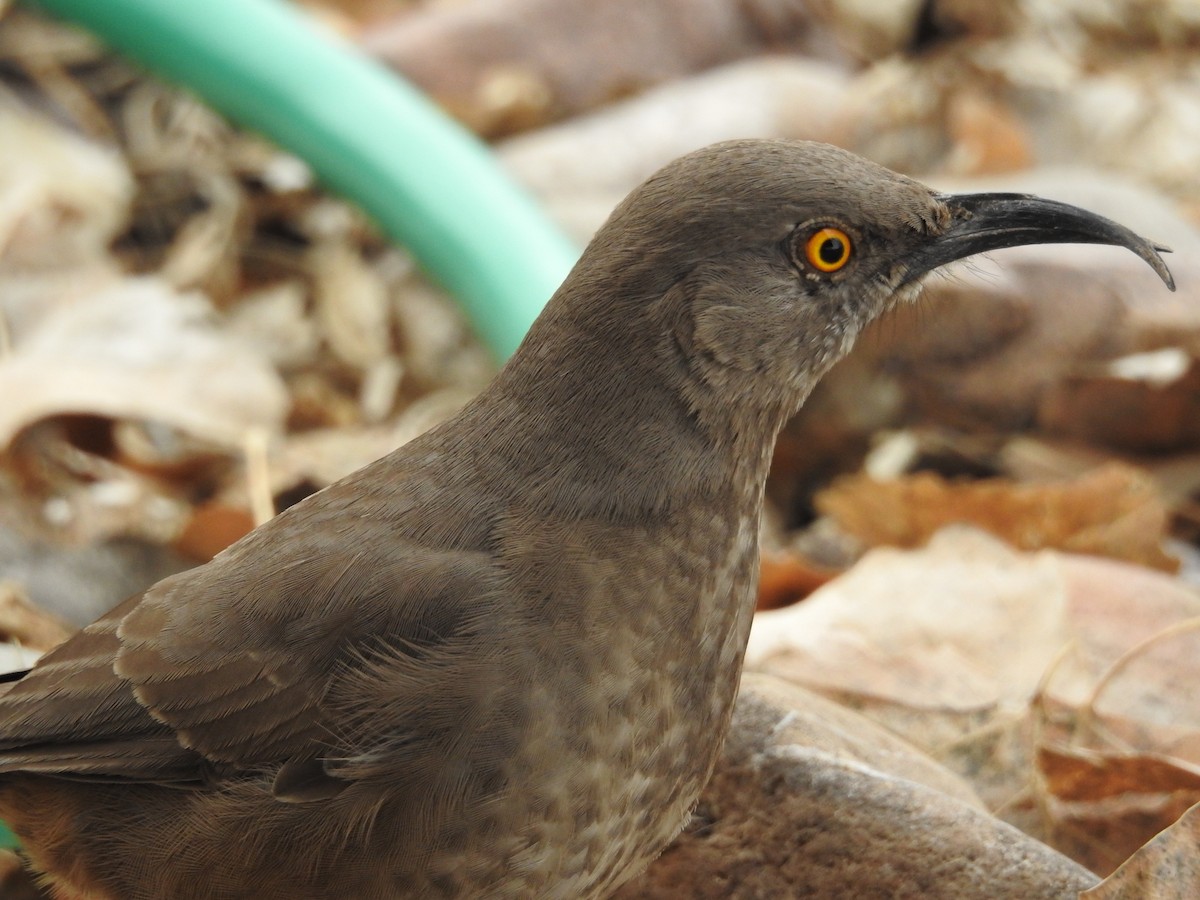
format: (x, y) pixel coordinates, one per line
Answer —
(828, 249)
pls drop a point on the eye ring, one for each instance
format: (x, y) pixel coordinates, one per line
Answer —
(828, 249)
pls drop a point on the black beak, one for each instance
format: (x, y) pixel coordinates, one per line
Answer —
(983, 222)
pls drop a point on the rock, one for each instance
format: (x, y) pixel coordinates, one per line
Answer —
(808, 802)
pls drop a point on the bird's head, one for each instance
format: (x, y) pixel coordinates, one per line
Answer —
(750, 267)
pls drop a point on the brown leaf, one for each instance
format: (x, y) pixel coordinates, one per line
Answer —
(949, 645)
(1138, 415)
(987, 135)
(1103, 804)
(1077, 774)
(1113, 511)
(964, 625)
(786, 577)
(1136, 641)
(353, 307)
(1166, 868)
(213, 527)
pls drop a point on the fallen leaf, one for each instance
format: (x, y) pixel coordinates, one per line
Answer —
(987, 136)
(786, 577)
(139, 350)
(1135, 641)
(1136, 414)
(1113, 511)
(1074, 774)
(980, 655)
(63, 198)
(353, 306)
(1166, 868)
(212, 527)
(963, 626)
(580, 169)
(509, 65)
(25, 625)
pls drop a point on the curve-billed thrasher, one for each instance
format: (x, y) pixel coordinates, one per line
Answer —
(500, 661)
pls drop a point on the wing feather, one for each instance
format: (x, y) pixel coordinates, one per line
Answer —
(228, 668)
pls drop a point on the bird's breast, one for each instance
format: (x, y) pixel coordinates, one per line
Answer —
(628, 700)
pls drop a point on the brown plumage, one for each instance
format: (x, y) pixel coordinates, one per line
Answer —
(498, 662)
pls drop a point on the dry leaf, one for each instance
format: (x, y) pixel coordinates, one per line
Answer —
(963, 626)
(1166, 868)
(1113, 511)
(63, 198)
(211, 528)
(139, 350)
(23, 624)
(950, 645)
(353, 305)
(1075, 774)
(274, 320)
(580, 169)
(507, 65)
(987, 136)
(1145, 414)
(786, 577)
(1136, 640)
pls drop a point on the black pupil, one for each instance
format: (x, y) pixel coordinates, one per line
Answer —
(832, 251)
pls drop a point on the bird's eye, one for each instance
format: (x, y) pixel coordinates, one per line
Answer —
(828, 249)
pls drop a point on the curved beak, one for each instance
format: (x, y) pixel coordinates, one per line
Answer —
(983, 222)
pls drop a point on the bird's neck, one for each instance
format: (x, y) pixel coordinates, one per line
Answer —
(608, 432)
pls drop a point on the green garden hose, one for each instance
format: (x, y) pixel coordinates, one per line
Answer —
(366, 133)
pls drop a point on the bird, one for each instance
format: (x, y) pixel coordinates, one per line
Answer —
(499, 661)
